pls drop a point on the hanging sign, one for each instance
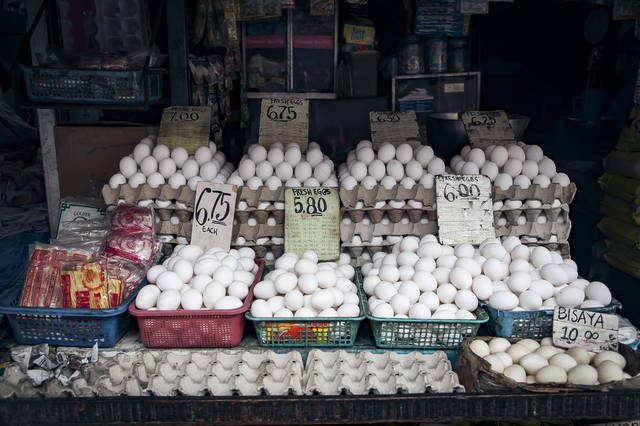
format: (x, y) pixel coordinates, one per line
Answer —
(486, 128)
(284, 120)
(465, 209)
(212, 223)
(394, 127)
(594, 331)
(311, 221)
(185, 126)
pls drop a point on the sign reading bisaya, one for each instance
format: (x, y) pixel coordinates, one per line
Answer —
(212, 223)
(311, 221)
(594, 331)
(185, 126)
(465, 209)
(284, 120)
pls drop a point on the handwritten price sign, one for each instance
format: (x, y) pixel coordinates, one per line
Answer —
(311, 221)
(186, 126)
(394, 126)
(486, 128)
(213, 214)
(284, 120)
(465, 209)
(594, 331)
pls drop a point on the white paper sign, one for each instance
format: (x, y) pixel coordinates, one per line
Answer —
(465, 209)
(594, 331)
(212, 223)
(394, 127)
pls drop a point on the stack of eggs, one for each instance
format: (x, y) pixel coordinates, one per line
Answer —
(423, 279)
(192, 280)
(529, 361)
(271, 169)
(305, 288)
(392, 168)
(524, 167)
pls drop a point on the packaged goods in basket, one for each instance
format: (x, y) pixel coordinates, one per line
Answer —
(303, 302)
(494, 363)
(400, 174)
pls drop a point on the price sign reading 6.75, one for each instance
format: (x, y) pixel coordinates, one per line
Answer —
(213, 214)
(311, 221)
(284, 120)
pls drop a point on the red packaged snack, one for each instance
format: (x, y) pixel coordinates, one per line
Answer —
(129, 218)
(138, 248)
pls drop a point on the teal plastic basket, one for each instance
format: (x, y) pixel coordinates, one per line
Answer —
(530, 324)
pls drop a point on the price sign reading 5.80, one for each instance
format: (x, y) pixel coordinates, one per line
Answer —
(311, 201)
(213, 215)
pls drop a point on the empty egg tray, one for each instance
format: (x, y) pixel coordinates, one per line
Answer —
(542, 231)
(531, 214)
(260, 216)
(535, 192)
(369, 197)
(394, 215)
(368, 231)
(252, 233)
(261, 250)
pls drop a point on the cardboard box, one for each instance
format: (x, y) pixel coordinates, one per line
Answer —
(92, 152)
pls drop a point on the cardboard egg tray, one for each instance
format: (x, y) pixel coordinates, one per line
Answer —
(259, 215)
(540, 231)
(535, 192)
(252, 233)
(261, 250)
(370, 197)
(562, 247)
(182, 229)
(368, 231)
(395, 215)
(531, 214)
(184, 194)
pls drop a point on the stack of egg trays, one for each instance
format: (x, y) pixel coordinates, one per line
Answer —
(362, 373)
(369, 197)
(252, 224)
(542, 231)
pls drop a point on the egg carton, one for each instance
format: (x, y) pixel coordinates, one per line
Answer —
(368, 231)
(182, 229)
(260, 216)
(369, 197)
(395, 215)
(542, 231)
(164, 192)
(261, 250)
(252, 233)
(535, 192)
(563, 247)
(334, 373)
(169, 373)
(531, 214)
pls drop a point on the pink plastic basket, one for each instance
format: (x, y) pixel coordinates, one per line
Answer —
(194, 329)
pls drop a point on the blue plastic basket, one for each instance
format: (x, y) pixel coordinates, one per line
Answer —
(65, 327)
(529, 324)
(92, 86)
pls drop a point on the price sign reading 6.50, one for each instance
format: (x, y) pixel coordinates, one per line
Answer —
(311, 221)
(213, 214)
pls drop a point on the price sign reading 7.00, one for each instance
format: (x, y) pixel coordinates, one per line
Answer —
(213, 215)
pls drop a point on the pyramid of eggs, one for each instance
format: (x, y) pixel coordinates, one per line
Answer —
(262, 174)
(154, 175)
(387, 192)
(531, 198)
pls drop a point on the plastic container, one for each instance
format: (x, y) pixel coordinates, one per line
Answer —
(92, 86)
(194, 329)
(457, 55)
(308, 332)
(65, 327)
(411, 56)
(529, 324)
(437, 54)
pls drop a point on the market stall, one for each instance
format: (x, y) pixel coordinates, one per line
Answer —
(259, 256)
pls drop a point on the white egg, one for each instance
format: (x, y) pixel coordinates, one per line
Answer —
(169, 280)
(191, 300)
(424, 154)
(160, 152)
(551, 374)
(570, 297)
(495, 363)
(503, 181)
(168, 300)
(183, 269)
(190, 168)
(365, 154)
(260, 309)
(599, 291)
(470, 168)
(446, 293)
(519, 282)
(482, 287)
(582, 375)
(436, 166)
(467, 300)
(227, 303)
(322, 299)
(540, 256)
(117, 180)
(530, 301)
(404, 153)
(534, 152)
(128, 167)
(400, 303)
(147, 296)
(503, 300)
(542, 181)
(499, 156)
(383, 310)
(533, 362)
(547, 167)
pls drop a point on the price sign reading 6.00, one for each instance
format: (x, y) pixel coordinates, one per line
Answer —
(462, 190)
(213, 215)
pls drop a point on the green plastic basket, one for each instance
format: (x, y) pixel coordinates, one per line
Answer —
(400, 333)
(307, 332)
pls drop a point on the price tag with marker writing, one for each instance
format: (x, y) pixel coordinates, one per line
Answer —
(465, 209)
(486, 128)
(212, 223)
(185, 126)
(594, 331)
(395, 127)
(284, 120)
(311, 220)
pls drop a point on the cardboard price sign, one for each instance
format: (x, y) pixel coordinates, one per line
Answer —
(465, 209)
(486, 128)
(594, 331)
(394, 127)
(284, 120)
(311, 220)
(212, 223)
(185, 126)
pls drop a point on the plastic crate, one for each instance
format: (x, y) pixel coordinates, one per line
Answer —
(65, 327)
(308, 332)
(92, 86)
(529, 324)
(194, 329)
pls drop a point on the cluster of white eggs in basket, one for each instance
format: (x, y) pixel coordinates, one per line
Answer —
(300, 286)
(192, 279)
(156, 165)
(518, 165)
(284, 165)
(389, 166)
(422, 279)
